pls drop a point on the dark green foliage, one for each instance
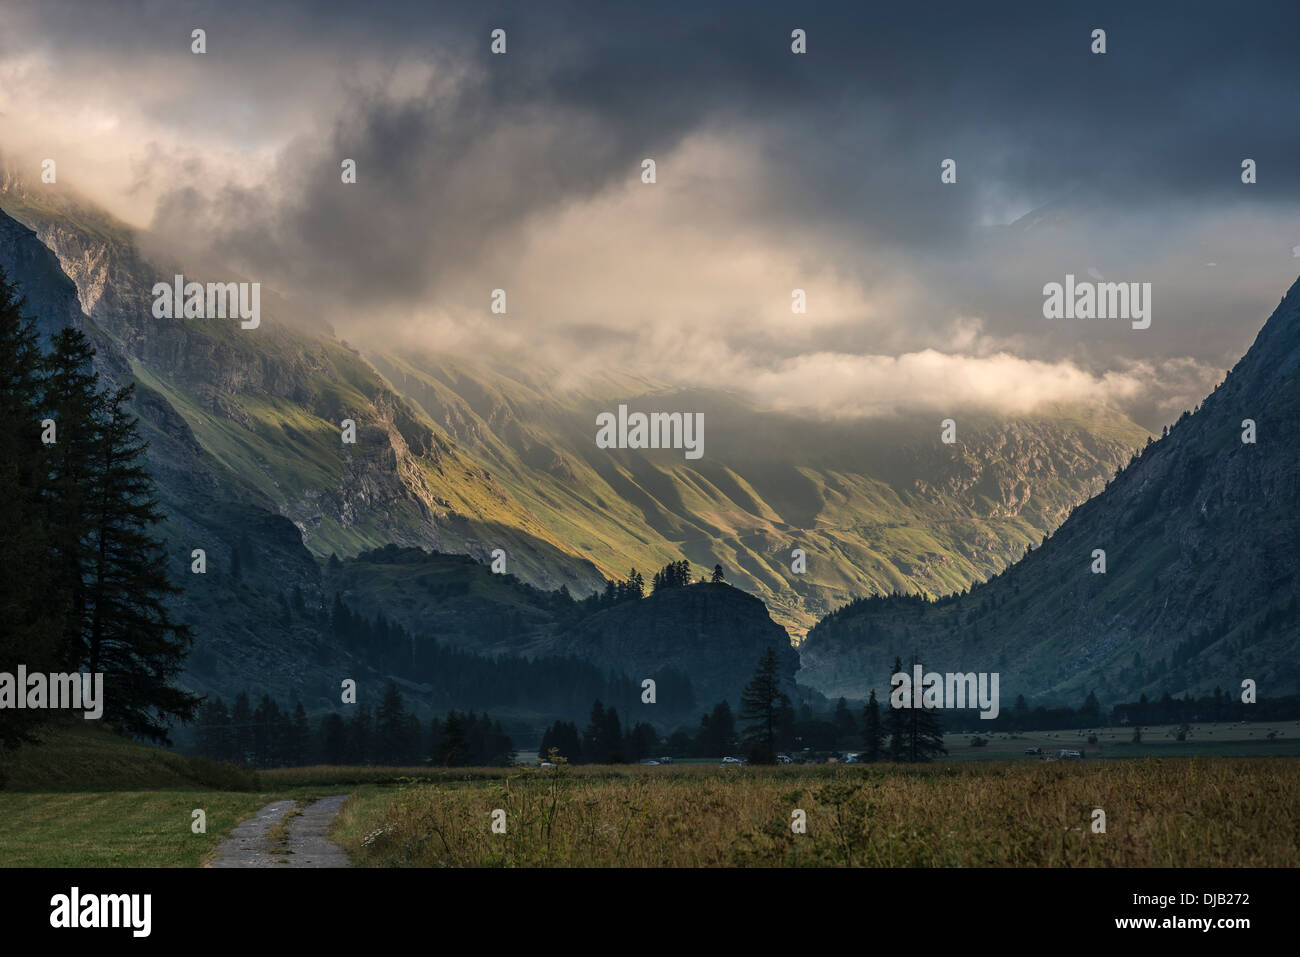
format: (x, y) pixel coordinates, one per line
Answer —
(360, 736)
(77, 510)
(717, 733)
(398, 733)
(922, 734)
(332, 739)
(641, 742)
(559, 684)
(673, 575)
(873, 732)
(130, 635)
(214, 733)
(241, 723)
(759, 706)
(563, 737)
(462, 740)
(845, 726)
(896, 723)
(31, 610)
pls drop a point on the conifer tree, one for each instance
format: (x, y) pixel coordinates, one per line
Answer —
(31, 606)
(924, 733)
(332, 739)
(360, 737)
(453, 742)
(266, 723)
(612, 738)
(896, 722)
(759, 703)
(873, 732)
(241, 724)
(843, 719)
(595, 744)
(72, 402)
(214, 734)
(392, 728)
(300, 737)
(131, 637)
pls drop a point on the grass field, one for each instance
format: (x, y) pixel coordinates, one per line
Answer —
(83, 797)
(118, 828)
(87, 798)
(1158, 741)
(1197, 812)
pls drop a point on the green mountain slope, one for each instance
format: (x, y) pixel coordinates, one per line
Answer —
(875, 506)
(267, 406)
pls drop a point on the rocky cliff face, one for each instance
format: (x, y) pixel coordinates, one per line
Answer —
(51, 295)
(1201, 536)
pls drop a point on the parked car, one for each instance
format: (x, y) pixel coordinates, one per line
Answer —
(1033, 750)
(730, 762)
(649, 762)
(784, 759)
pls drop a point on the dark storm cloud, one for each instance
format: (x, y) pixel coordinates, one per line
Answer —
(1184, 92)
(1138, 149)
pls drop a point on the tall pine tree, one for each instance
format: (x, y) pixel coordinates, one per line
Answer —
(31, 607)
(924, 738)
(873, 732)
(132, 637)
(896, 722)
(72, 402)
(759, 706)
(109, 579)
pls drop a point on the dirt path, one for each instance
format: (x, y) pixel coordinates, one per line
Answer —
(306, 845)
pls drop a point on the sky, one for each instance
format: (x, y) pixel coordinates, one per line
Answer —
(775, 171)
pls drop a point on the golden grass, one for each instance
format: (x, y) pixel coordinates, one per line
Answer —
(1159, 813)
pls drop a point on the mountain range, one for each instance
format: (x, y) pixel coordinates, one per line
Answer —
(459, 457)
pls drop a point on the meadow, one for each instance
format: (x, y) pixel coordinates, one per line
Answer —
(87, 798)
(1223, 739)
(1195, 812)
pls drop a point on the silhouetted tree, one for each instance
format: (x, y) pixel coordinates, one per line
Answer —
(758, 706)
(873, 732)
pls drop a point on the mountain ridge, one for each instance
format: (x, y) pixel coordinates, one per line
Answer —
(1202, 541)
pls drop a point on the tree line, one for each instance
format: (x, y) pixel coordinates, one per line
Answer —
(270, 736)
(558, 684)
(85, 586)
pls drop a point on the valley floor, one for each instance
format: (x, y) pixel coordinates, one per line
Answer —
(1227, 796)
